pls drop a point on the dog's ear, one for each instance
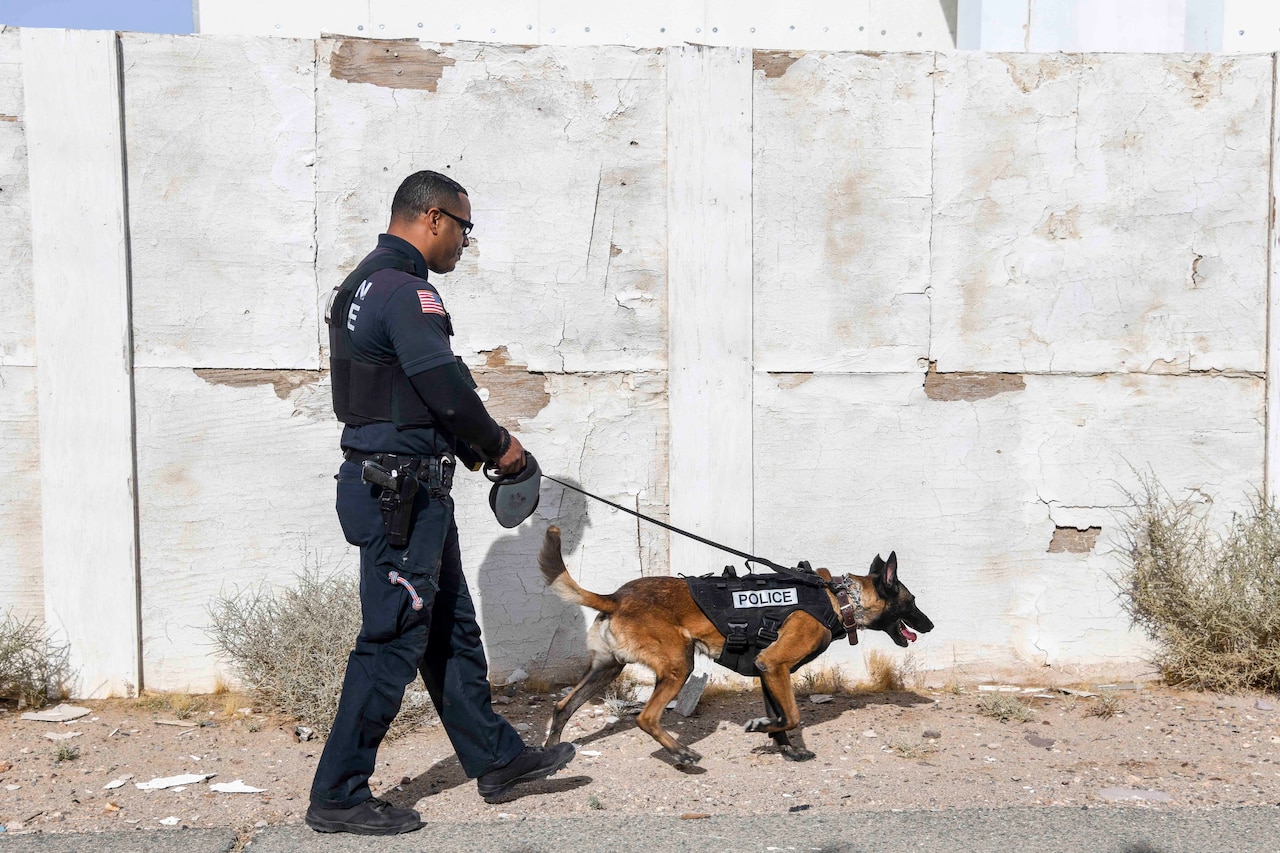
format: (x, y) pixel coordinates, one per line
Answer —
(877, 565)
(891, 569)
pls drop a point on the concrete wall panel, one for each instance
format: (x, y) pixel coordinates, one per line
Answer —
(606, 434)
(971, 493)
(842, 172)
(563, 154)
(1075, 231)
(21, 568)
(221, 154)
(235, 490)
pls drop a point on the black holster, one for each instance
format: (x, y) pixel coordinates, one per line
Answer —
(399, 487)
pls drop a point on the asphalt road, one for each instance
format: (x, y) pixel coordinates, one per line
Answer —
(1021, 830)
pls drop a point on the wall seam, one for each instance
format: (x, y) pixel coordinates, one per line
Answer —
(129, 363)
(1270, 357)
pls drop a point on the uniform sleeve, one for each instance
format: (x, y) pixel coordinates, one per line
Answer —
(457, 408)
(415, 320)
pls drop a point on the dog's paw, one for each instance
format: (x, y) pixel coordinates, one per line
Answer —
(759, 724)
(792, 753)
(687, 756)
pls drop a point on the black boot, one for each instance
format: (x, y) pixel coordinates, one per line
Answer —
(372, 817)
(534, 763)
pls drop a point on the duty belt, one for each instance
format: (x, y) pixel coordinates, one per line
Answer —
(435, 472)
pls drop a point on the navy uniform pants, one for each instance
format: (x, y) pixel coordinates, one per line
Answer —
(418, 616)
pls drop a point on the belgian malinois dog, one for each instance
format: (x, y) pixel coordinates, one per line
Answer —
(655, 621)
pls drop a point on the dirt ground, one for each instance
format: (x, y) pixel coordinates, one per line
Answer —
(930, 748)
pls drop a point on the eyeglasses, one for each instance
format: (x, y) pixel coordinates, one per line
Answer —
(466, 226)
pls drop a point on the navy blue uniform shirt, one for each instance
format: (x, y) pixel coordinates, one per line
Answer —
(396, 316)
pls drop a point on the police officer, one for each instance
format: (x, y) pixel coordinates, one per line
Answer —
(410, 408)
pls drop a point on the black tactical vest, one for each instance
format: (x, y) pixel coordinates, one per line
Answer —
(749, 610)
(366, 392)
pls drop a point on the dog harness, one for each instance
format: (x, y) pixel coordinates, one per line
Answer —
(749, 610)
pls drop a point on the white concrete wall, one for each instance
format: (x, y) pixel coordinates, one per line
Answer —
(826, 305)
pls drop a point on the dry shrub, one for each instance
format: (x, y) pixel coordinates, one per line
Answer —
(912, 748)
(1107, 706)
(820, 679)
(1211, 603)
(720, 688)
(886, 672)
(1003, 707)
(289, 648)
(620, 697)
(33, 668)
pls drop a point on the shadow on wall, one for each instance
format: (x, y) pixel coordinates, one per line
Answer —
(527, 626)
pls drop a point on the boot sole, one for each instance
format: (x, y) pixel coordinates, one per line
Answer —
(496, 794)
(359, 828)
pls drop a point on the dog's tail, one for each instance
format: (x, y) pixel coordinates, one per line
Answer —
(551, 564)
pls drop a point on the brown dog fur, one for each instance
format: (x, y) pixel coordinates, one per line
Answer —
(654, 621)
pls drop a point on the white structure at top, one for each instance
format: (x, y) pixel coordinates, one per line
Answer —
(1119, 26)
(890, 25)
(1036, 26)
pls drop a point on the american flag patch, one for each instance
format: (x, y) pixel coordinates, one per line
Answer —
(431, 303)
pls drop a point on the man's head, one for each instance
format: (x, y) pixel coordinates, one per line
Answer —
(432, 212)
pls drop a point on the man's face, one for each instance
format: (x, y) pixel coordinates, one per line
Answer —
(449, 239)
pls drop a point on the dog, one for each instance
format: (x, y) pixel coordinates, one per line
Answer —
(655, 621)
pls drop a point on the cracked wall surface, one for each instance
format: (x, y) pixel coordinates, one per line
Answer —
(986, 292)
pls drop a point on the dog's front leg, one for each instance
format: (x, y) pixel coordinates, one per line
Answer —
(770, 725)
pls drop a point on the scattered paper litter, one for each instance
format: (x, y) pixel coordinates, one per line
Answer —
(62, 735)
(57, 714)
(172, 781)
(236, 787)
(117, 783)
(590, 753)
(169, 821)
(820, 698)
(999, 688)
(1115, 795)
(517, 676)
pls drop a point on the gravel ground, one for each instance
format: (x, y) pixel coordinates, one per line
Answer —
(923, 748)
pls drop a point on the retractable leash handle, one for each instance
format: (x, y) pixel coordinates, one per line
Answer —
(514, 497)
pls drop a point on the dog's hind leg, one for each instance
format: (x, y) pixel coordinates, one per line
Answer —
(670, 679)
(603, 670)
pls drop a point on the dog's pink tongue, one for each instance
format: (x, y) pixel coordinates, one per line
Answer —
(907, 632)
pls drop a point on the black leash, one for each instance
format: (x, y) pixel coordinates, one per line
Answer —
(809, 578)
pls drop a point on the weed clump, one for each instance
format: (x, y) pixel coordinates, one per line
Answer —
(621, 696)
(1210, 602)
(1107, 706)
(820, 679)
(289, 648)
(1004, 708)
(33, 668)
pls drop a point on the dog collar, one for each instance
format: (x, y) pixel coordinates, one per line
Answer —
(849, 596)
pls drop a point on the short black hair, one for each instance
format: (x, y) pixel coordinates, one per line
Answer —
(422, 191)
